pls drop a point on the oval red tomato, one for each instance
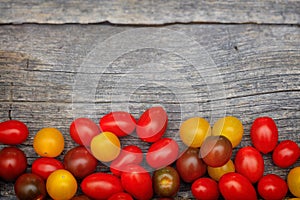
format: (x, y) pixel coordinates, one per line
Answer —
(205, 188)
(235, 186)
(101, 185)
(162, 153)
(13, 132)
(119, 122)
(264, 134)
(121, 196)
(272, 187)
(286, 154)
(152, 124)
(43, 167)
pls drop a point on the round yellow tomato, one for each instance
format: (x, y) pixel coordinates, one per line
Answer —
(193, 131)
(217, 172)
(105, 146)
(61, 185)
(48, 142)
(230, 127)
(293, 181)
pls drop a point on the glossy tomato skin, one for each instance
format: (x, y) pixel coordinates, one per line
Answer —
(272, 187)
(81, 197)
(101, 185)
(217, 172)
(234, 186)
(121, 196)
(80, 162)
(286, 154)
(293, 181)
(119, 122)
(205, 188)
(152, 124)
(82, 131)
(190, 166)
(264, 134)
(13, 132)
(43, 167)
(13, 163)
(162, 153)
(249, 162)
(137, 182)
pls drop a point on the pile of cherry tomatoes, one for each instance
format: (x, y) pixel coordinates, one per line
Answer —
(206, 162)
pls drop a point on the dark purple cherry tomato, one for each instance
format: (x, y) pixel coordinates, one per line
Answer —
(80, 197)
(250, 163)
(121, 196)
(30, 186)
(120, 123)
(216, 151)
(234, 186)
(162, 153)
(190, 166)
(43, 167)
(152, 124)
(13, 132)
(205, 188)
(286, 154)
(13, 163)
(264, 134)
(272, 187)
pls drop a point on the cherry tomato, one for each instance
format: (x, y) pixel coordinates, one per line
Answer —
(105, 146)
(193, 131)
(293, 181)
(217, 172)
(250, 163)
(129, 155)
(101, 185)
(82, 131)
(216, 151)
(43, 167)
(120, 123)
(61, 184)
(166, 182)
(48, 142)
(162, 153)
(205, 188)
(121, 196)
(230, 127)
(137, 182)
(81, 197)
(13, 163)
(234, 186)
(190, 166)
(152, 124)
(30, 186)
(80, 162)
(286, 154)
(13, 132)
(272, 187)
(264, 134)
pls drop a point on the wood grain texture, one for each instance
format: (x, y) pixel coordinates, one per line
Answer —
(258, 66)
(150, 12)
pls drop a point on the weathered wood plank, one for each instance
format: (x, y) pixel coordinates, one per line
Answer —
(150, 12)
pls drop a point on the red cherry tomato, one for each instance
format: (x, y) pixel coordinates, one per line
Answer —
(13, 163)
(43, 167)
(234, 186)
(13, 132)
(120, 123)
(101, 185)
(82, 131)
(162, 153)
(137, 182)
(264, 134)
(250, 163)
(272, 187)
(129, 155)
(152, 124)
(121, 196)
(286, 154)
(205, 188)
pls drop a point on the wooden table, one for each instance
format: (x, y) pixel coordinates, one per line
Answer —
(62, 60)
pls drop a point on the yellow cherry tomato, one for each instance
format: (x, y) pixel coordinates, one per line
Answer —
(48, 142)
(193, 131)
(230, 127)
(293, 181)
(105, 146)
(61, 185)
(217, 172)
